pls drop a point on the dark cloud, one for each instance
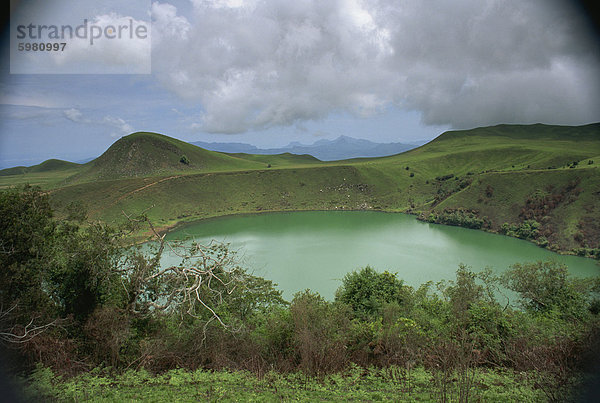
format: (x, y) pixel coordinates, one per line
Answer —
(258, 64)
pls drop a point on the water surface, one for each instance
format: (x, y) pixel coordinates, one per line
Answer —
(316, 249)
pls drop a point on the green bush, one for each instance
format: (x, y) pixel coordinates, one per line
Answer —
(529, 229)
(546, 287)
(459, 218)
(320, 331)
(367, 290)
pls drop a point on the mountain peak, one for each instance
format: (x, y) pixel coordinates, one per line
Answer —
(342, 147)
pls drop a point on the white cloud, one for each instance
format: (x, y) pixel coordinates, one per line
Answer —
(40, 115)
(74, 115)
(113, 49)
(167, 24)
(33, 100)
(255, 65)
(121, 126)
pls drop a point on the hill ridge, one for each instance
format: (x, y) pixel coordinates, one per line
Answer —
(52, 164)
(532, 131)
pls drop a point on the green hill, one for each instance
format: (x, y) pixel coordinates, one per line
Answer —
(144, 154)
(48, 174)
(509, 147)
(506, 174)
(46, 166)
(499, 178)
(536, 131)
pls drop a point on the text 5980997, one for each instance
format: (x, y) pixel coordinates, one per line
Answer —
(41, 46)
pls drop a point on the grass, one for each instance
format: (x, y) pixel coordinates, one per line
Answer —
(193, 196)
(355, 384)
(144, 170)
(46, 166)
(45, 180)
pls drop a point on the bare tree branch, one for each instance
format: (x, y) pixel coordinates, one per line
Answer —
(206, 274)
(19, 334)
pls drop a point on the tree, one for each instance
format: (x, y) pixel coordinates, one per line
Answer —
(26, 242)
(367, 290)
(84, 270)
(319, 332)
(208, 276)
(544, 287)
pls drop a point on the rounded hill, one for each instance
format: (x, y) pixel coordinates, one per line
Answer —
(148, 154)
(46, 166)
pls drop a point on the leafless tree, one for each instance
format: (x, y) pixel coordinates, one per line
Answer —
(205, 275)
(16, 334)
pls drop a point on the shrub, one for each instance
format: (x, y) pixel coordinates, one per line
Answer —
(459, 217)
(27, 239)
(529, 229)
(107, 330)
(444, 177)
(544, 287)
(320, 330)
(367, 290)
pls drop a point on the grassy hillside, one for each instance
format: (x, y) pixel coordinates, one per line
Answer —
(279, 160)
(504, 147)
(495, 178)
(48, 174)
(188, 197)
(546, 175)
(150, 154)
(46, 166)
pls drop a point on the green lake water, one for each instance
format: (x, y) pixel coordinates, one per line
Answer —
(316, 249)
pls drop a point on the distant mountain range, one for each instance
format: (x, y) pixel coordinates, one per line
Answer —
(343, 147)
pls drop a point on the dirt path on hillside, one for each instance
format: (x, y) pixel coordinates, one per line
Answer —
(135, 191)
(143, 188)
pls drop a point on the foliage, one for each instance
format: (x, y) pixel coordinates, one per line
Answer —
(427, 345)
(546, 287)
(354, 384)
(96, 304)
(529, 229)
(26, 242)
(367, 290)
(459, 217)
(319, 333)
(83, 273)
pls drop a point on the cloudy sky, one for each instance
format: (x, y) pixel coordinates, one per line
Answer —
(274, 71)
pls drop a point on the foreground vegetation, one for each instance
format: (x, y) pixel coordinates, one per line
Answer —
(353, 384)
(86, 317)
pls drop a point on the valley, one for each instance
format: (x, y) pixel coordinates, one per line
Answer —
(500, 179)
